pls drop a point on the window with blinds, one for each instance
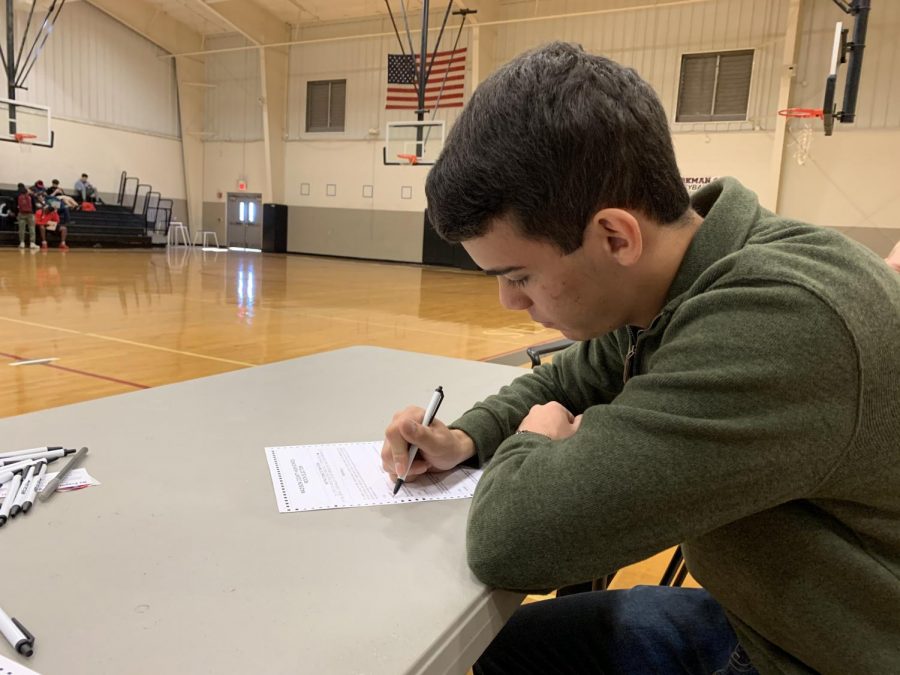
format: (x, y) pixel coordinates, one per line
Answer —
(325, 105)
(714, 86)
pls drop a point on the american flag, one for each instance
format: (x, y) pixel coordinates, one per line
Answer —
(403, 81)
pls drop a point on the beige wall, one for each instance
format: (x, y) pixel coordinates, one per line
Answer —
(101, 152)
(227, 163)
(96, 70)
(745, 155)
(849, 180)
(384, 226)
(846, 182)
(350, 165)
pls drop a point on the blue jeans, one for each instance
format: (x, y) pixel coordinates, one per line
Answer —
(646, 629)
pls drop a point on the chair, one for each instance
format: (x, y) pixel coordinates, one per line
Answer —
(203, 235)
(535, 353)
(176, 228)
(676, 570)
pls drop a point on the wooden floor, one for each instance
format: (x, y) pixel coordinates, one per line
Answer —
(122, 320)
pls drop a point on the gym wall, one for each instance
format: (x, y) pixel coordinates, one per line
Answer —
(114, 108)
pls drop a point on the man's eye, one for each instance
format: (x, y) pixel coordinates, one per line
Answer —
(516, 282)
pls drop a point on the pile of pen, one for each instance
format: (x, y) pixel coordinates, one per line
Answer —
(24, 470)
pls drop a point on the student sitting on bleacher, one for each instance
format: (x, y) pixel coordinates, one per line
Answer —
(56, 192)
(47, 219)
(84, 191)
(38, 193)
(59, 200)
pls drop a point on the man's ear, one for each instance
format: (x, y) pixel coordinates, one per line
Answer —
(615, 233)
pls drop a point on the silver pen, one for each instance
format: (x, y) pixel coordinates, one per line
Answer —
(50, 487)
(430, 412)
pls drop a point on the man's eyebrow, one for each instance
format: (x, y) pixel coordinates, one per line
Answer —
(503, 270)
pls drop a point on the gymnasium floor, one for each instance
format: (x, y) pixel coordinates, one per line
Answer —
(125, 320)
(122, 320)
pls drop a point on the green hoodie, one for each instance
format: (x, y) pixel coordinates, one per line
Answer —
(759, 428)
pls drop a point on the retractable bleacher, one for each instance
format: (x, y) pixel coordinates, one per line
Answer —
(139, 218)
(109, 226)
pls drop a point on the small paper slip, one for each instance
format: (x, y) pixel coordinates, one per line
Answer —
(74, 480)
(14, 668)
(343, 475)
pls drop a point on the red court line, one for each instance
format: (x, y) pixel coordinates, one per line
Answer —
(80, 372)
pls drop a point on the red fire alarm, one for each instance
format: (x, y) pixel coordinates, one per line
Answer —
(242, 185)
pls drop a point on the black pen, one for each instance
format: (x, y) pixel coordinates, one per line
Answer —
(10, 498)
(40, 470)
(430, 412)
(29, 451)
(49, 455)
(23, 491)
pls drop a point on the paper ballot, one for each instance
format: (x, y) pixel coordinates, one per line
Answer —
(343, 475)
(10, 667)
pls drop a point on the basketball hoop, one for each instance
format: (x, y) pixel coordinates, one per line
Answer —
(804, 134)
(412, 159)
(24, 140)
(802, 112)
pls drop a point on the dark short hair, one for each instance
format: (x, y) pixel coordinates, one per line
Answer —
(548, 140)
(55, 181)
(84, 175)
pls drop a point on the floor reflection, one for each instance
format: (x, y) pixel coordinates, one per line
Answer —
(169, 314)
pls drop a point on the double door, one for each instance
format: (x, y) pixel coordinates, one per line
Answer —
(243, 213)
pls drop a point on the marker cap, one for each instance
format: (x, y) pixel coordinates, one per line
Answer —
(24, 647)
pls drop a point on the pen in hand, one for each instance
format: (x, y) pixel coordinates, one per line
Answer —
(430, 412)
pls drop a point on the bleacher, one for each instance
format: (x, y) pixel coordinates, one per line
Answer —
(138, 219)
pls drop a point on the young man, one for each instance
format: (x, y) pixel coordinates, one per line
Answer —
(84, 191)
(25, 217)
(39, 194)
(735, 390)
(61, 202)
(48, 219)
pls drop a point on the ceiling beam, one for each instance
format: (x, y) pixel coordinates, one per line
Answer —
(152, 23)
(250, 20)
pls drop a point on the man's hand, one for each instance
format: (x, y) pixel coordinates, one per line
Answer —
(440, 448)
(893, 258)
(551, 420)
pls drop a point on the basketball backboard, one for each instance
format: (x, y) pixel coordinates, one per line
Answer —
(413, 142)
(838, 50)
(849, 51)
(32, 122)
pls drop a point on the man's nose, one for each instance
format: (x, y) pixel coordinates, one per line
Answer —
(512, 297)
